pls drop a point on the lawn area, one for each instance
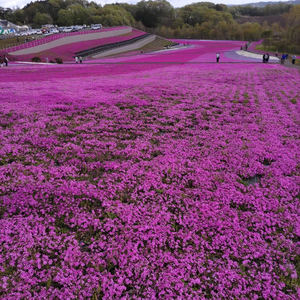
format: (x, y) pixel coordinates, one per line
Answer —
(14, 41)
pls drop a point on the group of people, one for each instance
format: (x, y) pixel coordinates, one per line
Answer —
(78, 59)
(3, 61)
(266, 57)
(284, 57)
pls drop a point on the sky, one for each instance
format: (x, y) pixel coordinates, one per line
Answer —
(175, 3)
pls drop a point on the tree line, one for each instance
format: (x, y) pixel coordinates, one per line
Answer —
(203, 20)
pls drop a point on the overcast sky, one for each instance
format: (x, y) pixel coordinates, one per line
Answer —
(175, 3)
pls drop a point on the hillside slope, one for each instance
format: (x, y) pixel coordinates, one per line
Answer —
(65, 47)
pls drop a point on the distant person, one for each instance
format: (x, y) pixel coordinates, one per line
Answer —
(5, 60)
(80, 59)
(76, 59)
(246, 47)
(241, 47)
(282, 59)
(293, 59)
(264, 58)
(1, 62)
(276, 54)
(218, 57)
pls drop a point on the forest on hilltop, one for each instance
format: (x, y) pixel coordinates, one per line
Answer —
(278, 24)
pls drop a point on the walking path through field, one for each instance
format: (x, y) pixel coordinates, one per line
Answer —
(255, 56)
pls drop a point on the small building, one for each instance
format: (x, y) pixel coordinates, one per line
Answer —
(7, 27)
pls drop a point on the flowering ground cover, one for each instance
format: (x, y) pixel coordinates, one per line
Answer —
(154, 180)
(207, 49)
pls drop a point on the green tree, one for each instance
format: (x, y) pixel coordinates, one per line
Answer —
(112, 15)
(42, 18)
(293, 25)
(154, 13)
(251, 31)
(79, 14)
(65, 17)
(54, 7)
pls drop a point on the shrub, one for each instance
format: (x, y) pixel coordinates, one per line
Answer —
(36, 59)
(58, 60)
(294, 101)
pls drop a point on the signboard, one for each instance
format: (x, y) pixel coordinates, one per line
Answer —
(7, 30)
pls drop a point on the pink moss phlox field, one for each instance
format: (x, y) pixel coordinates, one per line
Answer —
(149, 181)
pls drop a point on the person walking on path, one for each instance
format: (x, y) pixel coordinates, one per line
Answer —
(5, 60)
(293, 59)
(218, 57)
(264, 58)
(80, 59)
(76, 59)
(282, 59)
(267, 57)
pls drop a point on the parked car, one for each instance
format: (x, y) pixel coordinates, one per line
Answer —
(67, 29)
(24, 33)
(96, 26)
(54, 30)
(78, 27)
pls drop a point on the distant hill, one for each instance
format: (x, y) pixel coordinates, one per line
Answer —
(263, 4)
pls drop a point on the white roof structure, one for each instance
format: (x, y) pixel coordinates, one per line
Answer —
(7, 27)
